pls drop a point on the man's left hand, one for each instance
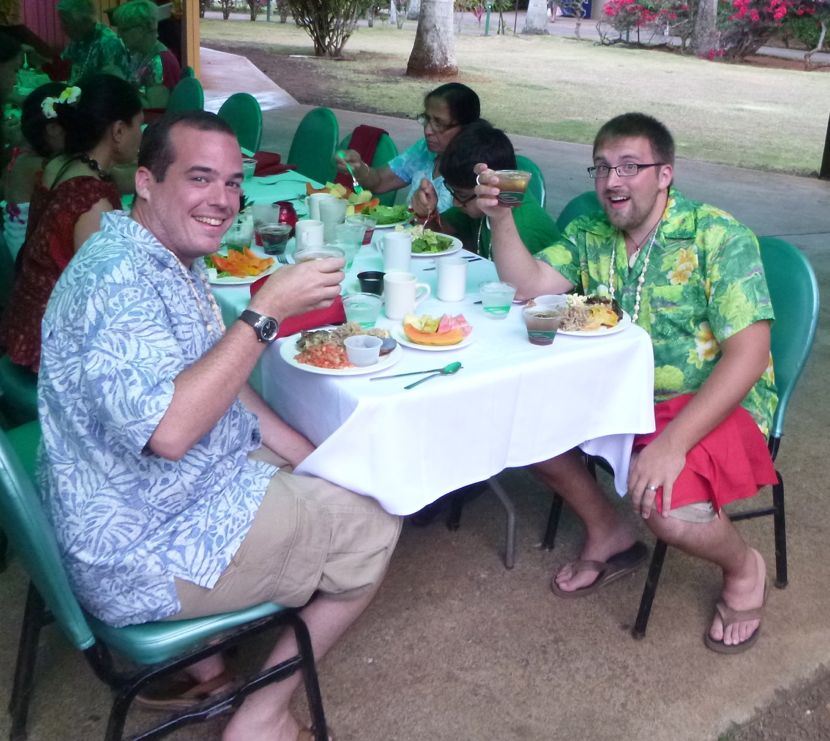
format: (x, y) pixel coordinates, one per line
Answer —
(657, 465)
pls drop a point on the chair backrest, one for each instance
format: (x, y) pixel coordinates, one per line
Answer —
(188, 71)
(795, 298)
(536, 187)
(584, 203)
(314, 143)
(31, 535)
(385, 151)
(242, 113)
(188, 95)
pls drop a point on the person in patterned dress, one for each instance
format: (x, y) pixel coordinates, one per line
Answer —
(692, 277)
(93, 47)
(168, 480)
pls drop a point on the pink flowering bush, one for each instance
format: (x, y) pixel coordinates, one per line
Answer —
(749, 24)
(626, 16)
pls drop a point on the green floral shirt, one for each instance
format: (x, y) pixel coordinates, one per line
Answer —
(101, 51)
(704, 283)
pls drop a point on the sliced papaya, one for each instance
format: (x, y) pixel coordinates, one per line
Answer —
(453, 337)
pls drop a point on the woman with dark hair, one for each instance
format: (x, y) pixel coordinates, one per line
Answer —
(43, 138)
(447, 109)
(480, 142)
(102, 120)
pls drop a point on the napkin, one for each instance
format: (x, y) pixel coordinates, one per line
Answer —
(364, 141)
(268, 163)
(334, 314)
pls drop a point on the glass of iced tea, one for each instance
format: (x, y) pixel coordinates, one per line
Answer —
(512, 186)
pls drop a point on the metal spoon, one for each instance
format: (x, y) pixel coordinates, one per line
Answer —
(356, 187)
(447, 370)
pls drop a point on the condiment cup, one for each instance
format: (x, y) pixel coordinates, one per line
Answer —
(371, 281)
(363, 349)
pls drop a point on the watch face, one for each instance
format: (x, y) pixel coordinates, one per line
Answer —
(268, 329)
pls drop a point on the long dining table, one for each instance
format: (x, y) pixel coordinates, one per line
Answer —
(511, 404)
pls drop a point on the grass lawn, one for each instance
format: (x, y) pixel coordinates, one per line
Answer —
(563, 89)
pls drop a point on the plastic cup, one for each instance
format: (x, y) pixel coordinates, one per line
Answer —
(248, 168)
(274, 237)
(542, 323)
(371, 281)
(512, 186)
(363, 349)
(363, 308)
(332, 213)
(265, 213)
(496, 298)
(368, 223)
(317, 253)
(350, 233)
(348, 249)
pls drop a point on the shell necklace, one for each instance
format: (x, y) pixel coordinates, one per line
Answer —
(640, 280)
(219, 327)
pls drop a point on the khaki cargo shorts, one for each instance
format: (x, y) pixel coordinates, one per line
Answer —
(308, 535)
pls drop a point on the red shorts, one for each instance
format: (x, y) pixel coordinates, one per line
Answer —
(732, 462)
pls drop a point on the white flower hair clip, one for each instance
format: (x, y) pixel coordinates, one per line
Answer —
(69, 96)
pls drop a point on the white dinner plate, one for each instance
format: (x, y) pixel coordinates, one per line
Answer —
(288, 349)
(392, 225)
(214, 279)
(623, 324)
(402, 339)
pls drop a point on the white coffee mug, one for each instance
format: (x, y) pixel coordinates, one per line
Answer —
(397, 251)
(332, 213)
(309, 233)
(313, 204)
(452, 278)
(402, 293)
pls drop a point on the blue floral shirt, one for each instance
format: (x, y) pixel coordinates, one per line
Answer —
(121, 324)
(415, 164)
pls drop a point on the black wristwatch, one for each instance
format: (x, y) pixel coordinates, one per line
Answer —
(265, 327)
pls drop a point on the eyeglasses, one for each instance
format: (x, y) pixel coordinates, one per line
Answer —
(437, 126)
(625, 170)
(463, 200)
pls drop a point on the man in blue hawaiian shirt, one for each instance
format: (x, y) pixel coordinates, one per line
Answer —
(167, 479)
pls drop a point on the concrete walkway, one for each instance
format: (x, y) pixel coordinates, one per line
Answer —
(457, 648)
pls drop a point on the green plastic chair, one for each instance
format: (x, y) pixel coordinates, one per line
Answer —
(159, 649)
(188, 71)
(24, 441)
(536, 186)
(188, 95)
(18, 393)
(385, 151)
(795, 299)
(584, 203)
(314, 143)
(242, 113)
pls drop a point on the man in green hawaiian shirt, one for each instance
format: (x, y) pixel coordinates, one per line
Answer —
(93, 47)
(692, 277)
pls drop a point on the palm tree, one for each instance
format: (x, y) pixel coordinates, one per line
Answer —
(536, 20)
(433, 53)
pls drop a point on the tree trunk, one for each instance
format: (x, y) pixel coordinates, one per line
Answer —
(536, 20)
(808, 57)
(413, 13)
(705, 35)
(433, 53)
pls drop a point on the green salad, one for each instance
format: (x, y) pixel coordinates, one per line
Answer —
(388, 214)
(426, 241)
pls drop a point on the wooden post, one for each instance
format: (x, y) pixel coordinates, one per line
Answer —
(190, 35)
(824, 172)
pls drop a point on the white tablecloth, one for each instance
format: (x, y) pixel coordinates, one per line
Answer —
(512, 404)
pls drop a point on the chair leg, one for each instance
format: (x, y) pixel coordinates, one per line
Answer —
(33, 620)
(510, 544)
(312, 685)
(4, 550)
(650, 589)
(780, 526)
(553, 522)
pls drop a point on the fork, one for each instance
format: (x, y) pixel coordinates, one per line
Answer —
(356, 187)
